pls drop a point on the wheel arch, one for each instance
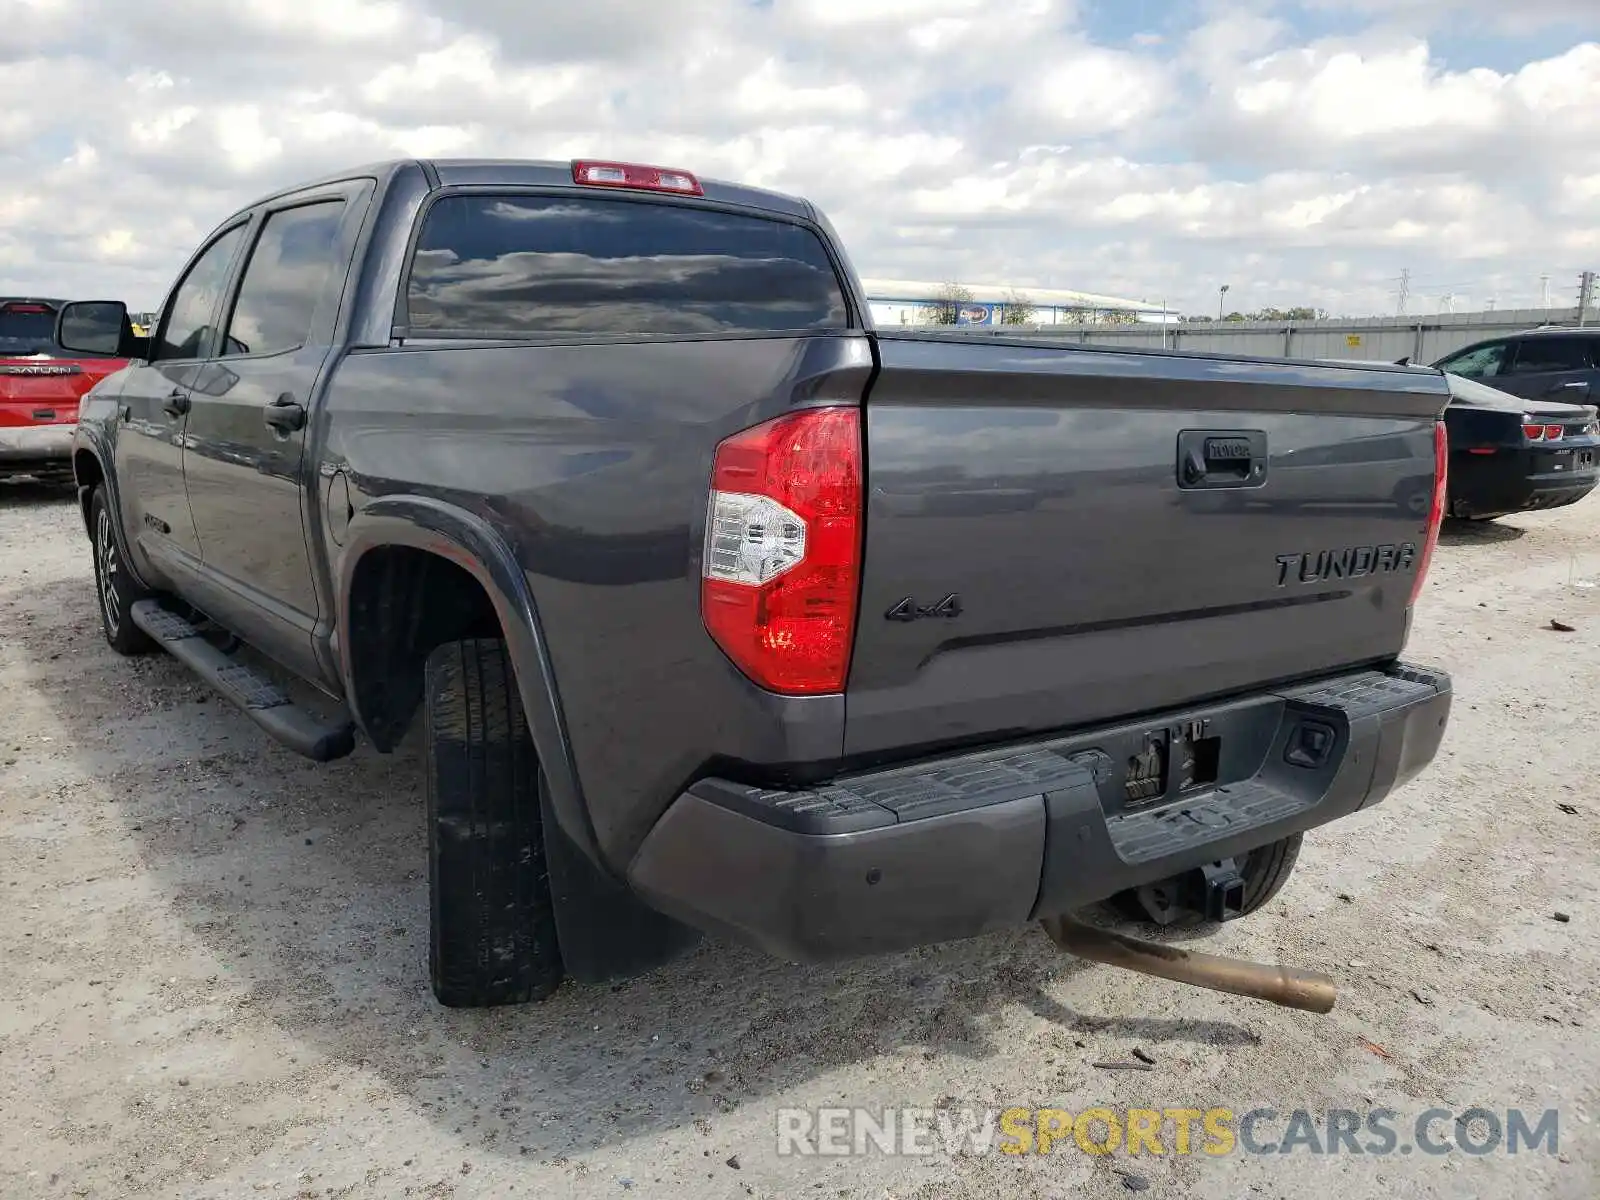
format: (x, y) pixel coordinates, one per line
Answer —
(88, 474)
(379, 545)
(89, 471)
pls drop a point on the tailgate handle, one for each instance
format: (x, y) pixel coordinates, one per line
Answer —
(1221, 458)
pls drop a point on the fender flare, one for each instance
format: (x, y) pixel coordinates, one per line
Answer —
(453, 533)
(89, 443)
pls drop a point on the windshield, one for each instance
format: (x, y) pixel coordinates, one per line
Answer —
(27, 329)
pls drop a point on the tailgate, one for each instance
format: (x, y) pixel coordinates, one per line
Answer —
(1042, 553)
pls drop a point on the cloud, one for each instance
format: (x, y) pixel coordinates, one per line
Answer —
(1023, 143)
(1389, 105)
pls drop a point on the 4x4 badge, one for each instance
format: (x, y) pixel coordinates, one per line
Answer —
(909, 610)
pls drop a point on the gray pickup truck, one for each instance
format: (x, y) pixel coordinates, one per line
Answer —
(722, 611)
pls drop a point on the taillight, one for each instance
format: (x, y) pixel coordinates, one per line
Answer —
(1441, 469)
(782, 563)
(636, 176)
(1543, 433)
(1552, 433)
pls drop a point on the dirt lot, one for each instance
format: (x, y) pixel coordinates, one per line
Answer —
(214, 981)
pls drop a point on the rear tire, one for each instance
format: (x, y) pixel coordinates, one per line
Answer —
(1265, 870)
(114, 587)
(492, 930)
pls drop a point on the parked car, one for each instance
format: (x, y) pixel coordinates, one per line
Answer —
(586, 466)
(1509, 454)
(40, 390)
(1552, 363)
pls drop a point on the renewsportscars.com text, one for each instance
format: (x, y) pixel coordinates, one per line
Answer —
(1380, 1132)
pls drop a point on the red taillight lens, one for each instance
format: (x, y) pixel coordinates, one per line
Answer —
(1430, 539)
(636, 176)
(782, 564)
(1552, 433)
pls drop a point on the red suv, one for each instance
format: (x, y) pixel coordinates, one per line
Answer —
(39, 390)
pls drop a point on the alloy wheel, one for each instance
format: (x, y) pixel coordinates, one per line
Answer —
(106, 552)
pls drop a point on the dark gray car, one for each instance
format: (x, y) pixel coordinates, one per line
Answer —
(1539, 364)
(723, 611)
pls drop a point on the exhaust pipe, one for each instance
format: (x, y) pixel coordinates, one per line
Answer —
(1310, 991)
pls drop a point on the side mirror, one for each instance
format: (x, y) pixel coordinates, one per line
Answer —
(98, 327)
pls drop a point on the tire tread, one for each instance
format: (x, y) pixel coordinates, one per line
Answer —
(492, 921)
(129, 640)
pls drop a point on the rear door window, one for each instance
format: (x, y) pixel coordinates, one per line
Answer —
(1537, 356)
(528, 266)
(286, 276)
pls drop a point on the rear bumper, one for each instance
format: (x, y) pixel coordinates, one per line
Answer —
(1499, 484)
(960, 846)
(31, 445)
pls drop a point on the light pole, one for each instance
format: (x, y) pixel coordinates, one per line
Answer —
(1222, 299)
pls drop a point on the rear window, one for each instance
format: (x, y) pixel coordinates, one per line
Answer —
(529, 265)
(26, 328)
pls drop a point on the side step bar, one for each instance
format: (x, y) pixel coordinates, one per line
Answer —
(263, 701)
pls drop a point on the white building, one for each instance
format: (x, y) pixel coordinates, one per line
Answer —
(908, 301)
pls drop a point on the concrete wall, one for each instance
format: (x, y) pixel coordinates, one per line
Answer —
(1423, 338)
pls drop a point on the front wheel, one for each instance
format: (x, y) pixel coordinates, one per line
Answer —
(114, 587)
(492, 929)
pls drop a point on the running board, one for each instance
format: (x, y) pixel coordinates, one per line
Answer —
(263, 701)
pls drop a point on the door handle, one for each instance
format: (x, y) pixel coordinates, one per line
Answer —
(176, 404)
(285, 414)
(1222, 458)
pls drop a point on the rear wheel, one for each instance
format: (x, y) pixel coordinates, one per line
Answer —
(492, 931)
(114, 587)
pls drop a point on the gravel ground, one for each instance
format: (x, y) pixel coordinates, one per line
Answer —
(214, 977)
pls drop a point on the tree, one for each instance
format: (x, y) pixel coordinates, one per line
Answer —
(1287, 314)
(946, 306)
(1018, 309)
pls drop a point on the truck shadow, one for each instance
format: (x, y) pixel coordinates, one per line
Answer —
(1478, 533)
(306, 887)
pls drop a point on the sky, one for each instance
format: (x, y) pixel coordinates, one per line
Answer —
(1303, 152)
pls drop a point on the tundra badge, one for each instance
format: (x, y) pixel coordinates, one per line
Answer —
(1352, 562)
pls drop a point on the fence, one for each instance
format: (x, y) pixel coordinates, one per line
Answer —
(1422, 338)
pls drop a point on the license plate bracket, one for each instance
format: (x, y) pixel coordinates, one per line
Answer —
(1176, 760)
